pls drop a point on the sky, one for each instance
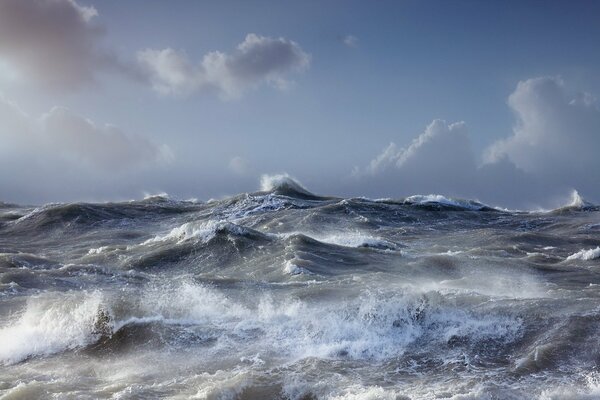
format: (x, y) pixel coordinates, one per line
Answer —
(115, 100)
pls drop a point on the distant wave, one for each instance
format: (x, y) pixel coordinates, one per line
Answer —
(585, 255)
(349, 239)
(577, 203)
(437, 199)
(285, 185)
(205, 231)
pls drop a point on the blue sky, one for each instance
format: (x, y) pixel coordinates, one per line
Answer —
(359, 76)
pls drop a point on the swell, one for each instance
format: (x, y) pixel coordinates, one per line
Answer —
(86, 215)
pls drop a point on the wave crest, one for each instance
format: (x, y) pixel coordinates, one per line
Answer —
(285, 185)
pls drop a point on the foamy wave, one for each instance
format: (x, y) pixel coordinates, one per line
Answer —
(577, 202)
(283, 184)
(372, 326)
(291, 267)
(157, 196)
(589, 391)
(366, 393)
(352, 239)
(50, 324)
(204, 231)
(356, 239)
(585, 255)
(439, 199)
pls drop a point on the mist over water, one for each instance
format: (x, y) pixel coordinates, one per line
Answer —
(286, 294)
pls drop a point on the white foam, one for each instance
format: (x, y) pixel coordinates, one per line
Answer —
(355, 239)
(269, 183)
(50, 323)
(157, 196)
(589, 391)
(98, 250)
(578, 201)
(291, 268)
(204, 231)
(366, 393)
(371, 326)
(585, 255)
(439, 199)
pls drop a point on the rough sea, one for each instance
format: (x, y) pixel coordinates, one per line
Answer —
(284, 294)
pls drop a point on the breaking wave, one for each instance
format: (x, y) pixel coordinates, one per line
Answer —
(285, 294)
(285, 185)
(585, 255)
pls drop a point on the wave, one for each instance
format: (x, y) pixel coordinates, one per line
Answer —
(577, 203)
(372, 326)
(585, 255)
(285, 185)
(205, 231)
(352, 239)
(438, 201)
(60, 215)
(51, 323)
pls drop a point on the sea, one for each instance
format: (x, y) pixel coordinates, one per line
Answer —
(287, 294)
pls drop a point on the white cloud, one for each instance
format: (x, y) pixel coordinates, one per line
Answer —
(553, 149)
(54, 43)
(57, 45)
(105, 147)
(63, 135)
(557, 132)
(350, 40)
(255, 61)
(439, 146)
(438, 160)
(63, 156)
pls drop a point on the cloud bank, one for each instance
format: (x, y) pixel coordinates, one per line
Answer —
(63, 152)
(552, 150)
(257, 60)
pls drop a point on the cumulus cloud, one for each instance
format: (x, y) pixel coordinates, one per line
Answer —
(441, 144)
(557, 134)
(54, 43)
(440, 159)
(255, 61)
(553, 149)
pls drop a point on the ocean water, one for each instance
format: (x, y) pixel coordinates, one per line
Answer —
(283, 294)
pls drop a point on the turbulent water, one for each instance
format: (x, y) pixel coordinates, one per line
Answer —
(282, 294)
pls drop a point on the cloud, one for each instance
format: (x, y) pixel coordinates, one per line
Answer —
(557, 134)
(350, 40)
(438, 160)
(57, 45)
(105, 147)
(257, 60)
(61, 152)
(553, 149)
(54, 43)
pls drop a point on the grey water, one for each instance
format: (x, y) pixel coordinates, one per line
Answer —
(284, 294)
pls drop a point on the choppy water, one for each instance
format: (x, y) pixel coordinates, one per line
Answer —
(284, 294)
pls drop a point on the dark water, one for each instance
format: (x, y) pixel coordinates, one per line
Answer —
(284, 294)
